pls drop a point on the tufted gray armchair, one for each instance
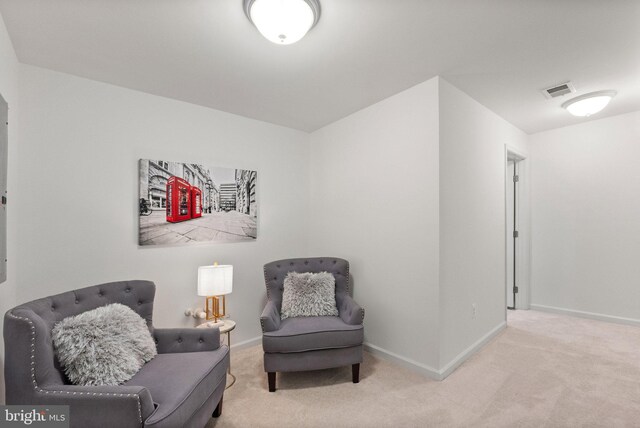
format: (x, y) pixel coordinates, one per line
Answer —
(310, 343)
(182, 386)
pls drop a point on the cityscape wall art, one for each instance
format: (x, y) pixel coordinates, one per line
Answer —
(183, 203)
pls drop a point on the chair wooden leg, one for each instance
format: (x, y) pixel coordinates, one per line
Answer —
(272, 381)
(355, 373)
(218, 410)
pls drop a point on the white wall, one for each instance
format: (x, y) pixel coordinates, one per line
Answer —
(586, 217)
(76, 193)
(368, 188)
(472, 221)
(409, 190)
(9, 91)
(412, 191)
(374, 202)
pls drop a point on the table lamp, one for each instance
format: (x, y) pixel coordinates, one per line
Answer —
(214, 282)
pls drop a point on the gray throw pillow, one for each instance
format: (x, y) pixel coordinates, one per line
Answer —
(309, 295)
(104, 346)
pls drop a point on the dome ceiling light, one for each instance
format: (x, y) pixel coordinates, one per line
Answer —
(283, 22)
(588, 104)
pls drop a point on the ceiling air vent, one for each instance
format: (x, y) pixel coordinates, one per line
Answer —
(559, 90)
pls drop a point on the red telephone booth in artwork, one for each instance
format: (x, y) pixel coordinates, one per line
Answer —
(196, 202)
(178, 200)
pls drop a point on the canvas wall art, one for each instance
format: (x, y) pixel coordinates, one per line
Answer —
(182, 203)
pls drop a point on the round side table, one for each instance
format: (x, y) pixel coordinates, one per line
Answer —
(225, 328)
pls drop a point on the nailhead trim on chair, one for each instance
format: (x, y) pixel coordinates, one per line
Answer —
(38, 389)
(264, 269)
(348, 279)
(349, 288)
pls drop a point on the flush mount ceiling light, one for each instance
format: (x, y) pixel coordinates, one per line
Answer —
(283, 21)
(588, 104)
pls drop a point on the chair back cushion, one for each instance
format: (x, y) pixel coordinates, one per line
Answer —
(27, 329)
(275, 272)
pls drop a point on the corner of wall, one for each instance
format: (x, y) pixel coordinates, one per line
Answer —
(374, 184)
(472, 249)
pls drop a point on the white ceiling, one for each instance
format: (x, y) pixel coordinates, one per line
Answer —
(501, 52)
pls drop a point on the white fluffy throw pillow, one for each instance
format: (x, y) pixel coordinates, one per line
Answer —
(104, 346)
(309, 295)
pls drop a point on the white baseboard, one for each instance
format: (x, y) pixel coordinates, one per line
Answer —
(428, 370)
(403, 361)
(583, 314)
(464, 355)
(247, 343)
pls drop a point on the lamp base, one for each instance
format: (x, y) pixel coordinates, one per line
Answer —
(218, 323)
(212, 308)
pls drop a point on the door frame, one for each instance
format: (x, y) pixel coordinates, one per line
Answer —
(523, 243)
(4, 156)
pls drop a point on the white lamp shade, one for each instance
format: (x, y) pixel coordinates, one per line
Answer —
(215, 280)
(588, 104)
(282, 21)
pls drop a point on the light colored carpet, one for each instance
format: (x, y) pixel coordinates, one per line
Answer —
(544, 370)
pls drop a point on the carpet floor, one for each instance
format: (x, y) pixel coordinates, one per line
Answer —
(543, 370)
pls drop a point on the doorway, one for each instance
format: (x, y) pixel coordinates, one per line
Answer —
(512, 226)
(517, 231)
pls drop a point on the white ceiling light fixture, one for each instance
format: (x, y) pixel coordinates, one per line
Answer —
(588, 104)
(283, 22)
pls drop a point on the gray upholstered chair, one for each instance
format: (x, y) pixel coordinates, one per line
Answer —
(310, 343)
(182, 386)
